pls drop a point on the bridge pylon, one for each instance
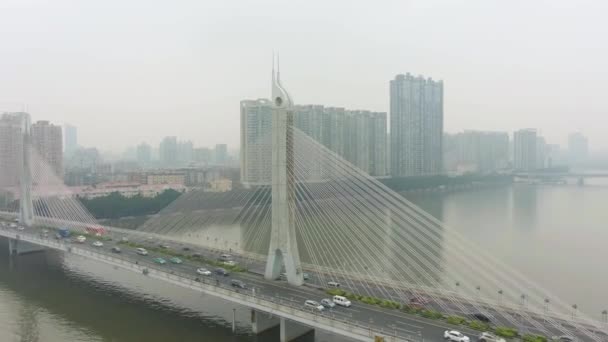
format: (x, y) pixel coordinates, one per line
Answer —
(283, 248)
(26, 208)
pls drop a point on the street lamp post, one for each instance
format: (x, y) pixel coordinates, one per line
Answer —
(605, 316)
(547, 301)
(574, 309)
(500, 293)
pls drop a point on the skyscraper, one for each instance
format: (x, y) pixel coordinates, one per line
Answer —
(168, 152)
(255, 154)
(221, 154)
(185, 152)
(476, 151)
(144, 154)
(525, 150)
(11, 148)
(47, 141)
(416, 114)
(71, 139)
(578, 147)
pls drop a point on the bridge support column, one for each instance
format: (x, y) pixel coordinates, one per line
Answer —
(291, 330)
(261, 321)
(26, 209)
(18, 247)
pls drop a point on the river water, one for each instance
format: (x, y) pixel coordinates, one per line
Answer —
(554, 234)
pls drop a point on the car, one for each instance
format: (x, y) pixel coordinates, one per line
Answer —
(163, 246)
(175, 260)
(97, 244)
(45, 231)
(222, 272)
(563, 338)
(159, 261)
(186, 249)
(487, 337)
(225, 257)
(124, 239)
(21, 228)
(333, 284)
(342, 301)
(306, 276)
(196, 255)
(229, 263)
(238, 283)
(116, 249)
(481, 317)
(328, 303)
(203, 271)
(141, 251)
(12, 225)
(455, 336)
(81, 239)
(314, 305)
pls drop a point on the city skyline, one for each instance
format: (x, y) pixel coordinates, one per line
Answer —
(197, 78)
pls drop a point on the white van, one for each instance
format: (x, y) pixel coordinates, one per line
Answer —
(333, 284)
(342, 301)
(142, 251)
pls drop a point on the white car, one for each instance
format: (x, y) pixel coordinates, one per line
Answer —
(98, 244)
(21, 228)
(314, 305)
(142, 251)
(342, 301)
(81, 239)
(203, 271)
(455, 336)
(487, 337)
(229, 263)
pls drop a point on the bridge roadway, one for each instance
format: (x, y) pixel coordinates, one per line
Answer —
(385, 322)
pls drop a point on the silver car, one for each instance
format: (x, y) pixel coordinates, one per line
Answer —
(328, 303)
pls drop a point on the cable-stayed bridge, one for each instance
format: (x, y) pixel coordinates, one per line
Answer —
(321, 221)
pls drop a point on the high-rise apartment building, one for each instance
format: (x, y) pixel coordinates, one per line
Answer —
(221, 154)
(47, 142)
(144, 154)
(185, 151)
(360, 137)
(202, 155)
(71, 139)
(11, 148)
(525, 150)
(168, 152)
(476, 151)
(255, 153)
(578, 147)
(416, 115)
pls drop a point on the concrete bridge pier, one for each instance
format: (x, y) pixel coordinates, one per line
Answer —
(291, 330)
(262, 321)
(18, 247)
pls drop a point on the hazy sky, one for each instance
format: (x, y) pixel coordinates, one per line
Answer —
(126, 71)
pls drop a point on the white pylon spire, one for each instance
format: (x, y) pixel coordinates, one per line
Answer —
(26, 209)
(283, 249)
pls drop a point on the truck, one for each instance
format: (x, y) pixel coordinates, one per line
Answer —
(64, 232)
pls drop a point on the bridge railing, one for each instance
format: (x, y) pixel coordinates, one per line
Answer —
(282, 306)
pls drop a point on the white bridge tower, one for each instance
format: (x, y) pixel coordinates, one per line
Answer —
(283, 248)
(26, 209)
